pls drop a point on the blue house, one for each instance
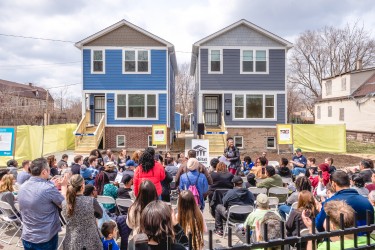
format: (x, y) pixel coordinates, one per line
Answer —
(240, 77)
(128, 85)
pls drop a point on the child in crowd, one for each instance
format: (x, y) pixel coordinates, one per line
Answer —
(109, 231)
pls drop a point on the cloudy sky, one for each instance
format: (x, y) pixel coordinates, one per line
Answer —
(52, 64)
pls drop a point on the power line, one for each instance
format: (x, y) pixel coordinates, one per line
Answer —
(26, 66)
(37, 38)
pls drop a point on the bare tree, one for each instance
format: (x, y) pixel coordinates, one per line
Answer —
(184, 90)
(327, 52)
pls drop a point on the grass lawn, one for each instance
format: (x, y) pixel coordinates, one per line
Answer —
(360, 147)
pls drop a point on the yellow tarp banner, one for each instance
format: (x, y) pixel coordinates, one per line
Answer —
(320, 138)
(29, 141)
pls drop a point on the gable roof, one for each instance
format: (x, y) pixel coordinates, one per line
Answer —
(367, 88)
(248, 24)
(24, 90)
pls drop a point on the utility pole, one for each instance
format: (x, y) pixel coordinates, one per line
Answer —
(47, 120)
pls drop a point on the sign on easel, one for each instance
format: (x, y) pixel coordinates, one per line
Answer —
(202, 149)
(159, 134)
(284, 135)
(7, 141)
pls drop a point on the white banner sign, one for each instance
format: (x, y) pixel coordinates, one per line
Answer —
(202, 149)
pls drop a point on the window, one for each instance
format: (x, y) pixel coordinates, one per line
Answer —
(120, 141)
(215, 61)
(329, 87)
(329, 111)
(136, 61)
(238, 141)
(136, 106)
(97, 61)
(253, 106)
(318, 112)
(271, 142)
(149, 141)
(342, 114)
(343, 84)
(249, 66)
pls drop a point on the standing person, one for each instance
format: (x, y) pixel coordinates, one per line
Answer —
(98, 155)
(80, 213)
(41, 224)
(122, 159)
(221, 179)
(93, 166)
(109, 232)
(191, 218)
(52, 162)
(166, 187)
(24, 175)
(76, 166)
(105, 177)
(194, 179)
(63, 163)
(149, 169)
(233, 156)
(109, 157)
(202, 169)
(12, 166)
(171, 168)
(299, 163)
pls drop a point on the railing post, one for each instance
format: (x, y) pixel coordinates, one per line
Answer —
(355, 225)
(328, 229)
(248, 234)
(229, 237)
(313, 232)
(342, 227)
(368, 223)
(190, 241)
(265, 232)
(210, 240)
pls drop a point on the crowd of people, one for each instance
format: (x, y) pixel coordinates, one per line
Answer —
(52, 194)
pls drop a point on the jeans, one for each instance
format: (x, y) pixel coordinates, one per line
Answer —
(220, 215)
(52, 244)
(283, 210)
(296, 171)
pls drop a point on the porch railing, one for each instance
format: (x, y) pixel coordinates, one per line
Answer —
(80, 130)
(99, 132)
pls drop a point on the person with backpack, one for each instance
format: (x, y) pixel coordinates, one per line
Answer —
(236, 196)
(194, 181)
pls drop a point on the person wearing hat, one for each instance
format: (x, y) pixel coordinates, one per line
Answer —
(299, 163)
(236, 196)
(129, 168)
(194, 177)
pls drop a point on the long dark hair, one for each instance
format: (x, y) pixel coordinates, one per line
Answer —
(147, 161)
(96, 153)
(74, 186)
(147, 193)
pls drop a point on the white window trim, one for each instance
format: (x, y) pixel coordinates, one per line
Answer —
(149, 142)
(274, 146)
(92, 61)
(234, 140)
(221, 62)
(136, 62)
(254, 49)
(127, 107)
(117, 137)
(264, 108)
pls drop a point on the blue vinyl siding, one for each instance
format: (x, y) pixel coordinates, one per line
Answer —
(280, 109)
(231, 79)
(114, 79)
(111, 113)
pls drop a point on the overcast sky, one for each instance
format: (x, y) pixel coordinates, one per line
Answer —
(50, 64)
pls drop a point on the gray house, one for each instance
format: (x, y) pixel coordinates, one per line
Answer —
(240, 77)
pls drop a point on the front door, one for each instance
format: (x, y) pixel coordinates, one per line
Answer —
(99, 108)
(211, 112)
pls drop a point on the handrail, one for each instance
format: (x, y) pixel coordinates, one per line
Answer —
(223, 127)
(99, 131)
(203, 118)
(81, 128)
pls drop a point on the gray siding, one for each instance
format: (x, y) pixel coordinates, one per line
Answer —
(280, 114)
(231, 79)
(242, 36)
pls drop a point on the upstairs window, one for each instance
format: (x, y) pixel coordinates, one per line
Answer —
(329, 87)
(121, 106)
(329, 111)
(97, 63)
(136, 61)
(249, 65)
(254, 106)
(343, 84)
(342, 114)
(215, 61)
(318, 114)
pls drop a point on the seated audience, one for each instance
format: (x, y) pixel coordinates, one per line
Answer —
(221, 179)
(371, 186)
(104, 177)
(236, 196)
(122, 159)
(123, 192)
(251, 181)
(86, 174)
(311, 165)
(166, 187)
(357, 182)
(340, 184)
(195, 179)
(260, 164)
(63, 163)
(324, 192)
(24, 175)
(110, 190)
(333, 209)
(12, 166)
(272, 179)
(129, 168)
(366, 170)
(76, 166)
(93, 166)
(299, 163)
(322, 177)
(77, 209)
(171, 168)
(213, 164)
(284, 170)
(52, 162)
(109, 232)
(329, 161)
(248, 164)
(6, 193)
(109, 157)
(273, 229)
(191, 218)
(159, 224)
(371, 198)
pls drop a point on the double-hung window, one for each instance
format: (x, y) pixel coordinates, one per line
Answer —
(329, 87)
(254, 106)
(136, 106)
(97, 63)
(136, 61)
(254, 61)
(215, 61)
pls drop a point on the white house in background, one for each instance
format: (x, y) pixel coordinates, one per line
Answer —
(349, 99)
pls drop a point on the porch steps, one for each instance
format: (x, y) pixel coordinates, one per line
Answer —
(86, 144)
(216, 143)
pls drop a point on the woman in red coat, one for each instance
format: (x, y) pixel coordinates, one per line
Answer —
(149, 169)
(324, 168)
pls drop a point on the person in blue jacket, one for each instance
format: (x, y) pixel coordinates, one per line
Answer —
(299, 163)
(194, 177)
(340, 183)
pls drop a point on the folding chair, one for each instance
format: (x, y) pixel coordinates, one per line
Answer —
(10, 220)
(273, 202)
(273, 164)
(286, 180)
(255, 190)
(259, 180)
(278, 192)
(106, 199)
(132, 196)
(174, 189)
(294, 206)
(236, 209)
(123, 203)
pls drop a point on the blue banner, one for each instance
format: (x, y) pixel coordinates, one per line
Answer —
(7, 136)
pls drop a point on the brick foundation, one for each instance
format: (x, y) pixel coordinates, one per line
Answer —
(255, 139)
(135, 137)
(360, 136)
